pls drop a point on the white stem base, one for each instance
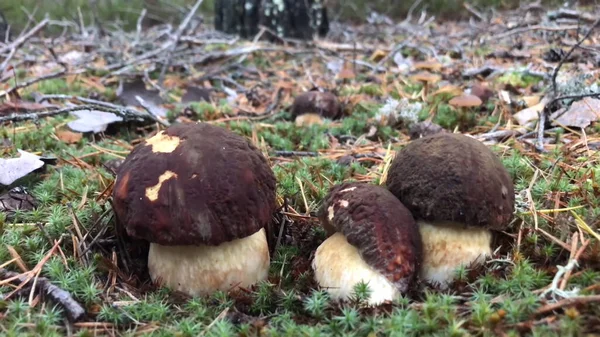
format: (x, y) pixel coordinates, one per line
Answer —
(446, 247)
(338, 268)
(202, 270)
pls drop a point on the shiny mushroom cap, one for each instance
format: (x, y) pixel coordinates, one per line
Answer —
(378, 226)
(324, 104)
(194, 184)
(454, 178)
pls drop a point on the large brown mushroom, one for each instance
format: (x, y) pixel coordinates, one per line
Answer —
(201, 195)
(313, 106)
(372, 238)
(459, 192)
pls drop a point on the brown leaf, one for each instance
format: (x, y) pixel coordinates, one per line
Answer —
(529, 114)
(428, 65)
(581, 113)
(448, 89)
(465, 101)
(69, 137)
(378, 55)
(346, 74)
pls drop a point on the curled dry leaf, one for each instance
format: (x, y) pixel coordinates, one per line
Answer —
(580, 114)
(530, 114)
(465, 101)
(69, 137)
(428, 65)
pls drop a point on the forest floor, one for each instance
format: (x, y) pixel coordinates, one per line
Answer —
(76, 104)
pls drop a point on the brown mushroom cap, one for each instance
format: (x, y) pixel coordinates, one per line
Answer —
(379, 226)
(452, 177)
(324, 104)
(194, 184)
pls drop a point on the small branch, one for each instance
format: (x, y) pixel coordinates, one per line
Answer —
(19, 117)
(74, 310)
(18, 42)
(546, 111)
(178, 34)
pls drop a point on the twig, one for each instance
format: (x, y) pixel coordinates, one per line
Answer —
(546, 112)
(74, 310)
(18, 42)
(178, 33)
(19, 117)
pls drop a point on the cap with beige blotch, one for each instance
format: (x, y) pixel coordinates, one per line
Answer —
(458, 191)
(372, 238)
(201, 195)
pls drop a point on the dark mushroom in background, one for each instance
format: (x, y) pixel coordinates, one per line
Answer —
(201, 195)
(312, 106)
(372, 238)
(458, 191)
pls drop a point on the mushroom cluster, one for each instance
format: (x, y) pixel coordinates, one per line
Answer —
(458, 192)
(202, 196)
(372, 238)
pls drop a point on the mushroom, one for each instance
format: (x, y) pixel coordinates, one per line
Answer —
(372, 238)
(201, 195)
(458, 192)
(427, 79)
(312, 106)
(466, 101)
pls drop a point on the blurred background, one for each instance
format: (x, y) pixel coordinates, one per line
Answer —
(126, 12)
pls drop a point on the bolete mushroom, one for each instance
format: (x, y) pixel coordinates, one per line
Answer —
(201, 195)
(372, 238)
(312, 106)
(458, 192)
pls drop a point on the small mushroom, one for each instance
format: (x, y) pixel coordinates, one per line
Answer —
(458, 192)
(312, 106)
(201, 195)
(427, 79)
(465, 101)
(372, 238)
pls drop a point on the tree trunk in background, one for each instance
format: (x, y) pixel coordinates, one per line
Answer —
(298, 19)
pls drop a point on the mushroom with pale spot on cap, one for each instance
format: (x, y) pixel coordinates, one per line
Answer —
(372, 238)
(201, 195)
(459, 192)
(312, 106)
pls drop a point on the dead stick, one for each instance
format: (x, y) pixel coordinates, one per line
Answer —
(178, 34)
(73, 309)
(18, 42)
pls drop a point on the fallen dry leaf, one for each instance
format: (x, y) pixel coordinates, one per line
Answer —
(580, 114)
(69, 137)
(378, 55)
(529, 114)
(428, 65)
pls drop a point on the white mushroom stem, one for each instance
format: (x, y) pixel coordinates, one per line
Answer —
(202, 270)
(338, 268)
(448, 246)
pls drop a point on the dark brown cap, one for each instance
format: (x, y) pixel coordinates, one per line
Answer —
(379, 226)
(453, 177)
(324, 104)
(194, 184)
